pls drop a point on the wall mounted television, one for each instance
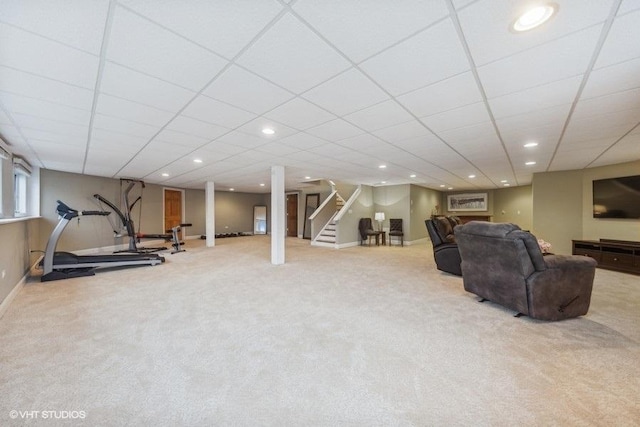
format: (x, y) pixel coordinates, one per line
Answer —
(617, 197)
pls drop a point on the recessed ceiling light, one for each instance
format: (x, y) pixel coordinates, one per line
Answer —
(165, 174)
(382, 166)
(383, 182)
(472, 176)
(503, 181)
(197, 160)
(261, 184)
(441, 185)
(530, 144)
(507, 185)
(450, 188)
(307, 177)
(268, 131)
(232, 189)
(530, 163)
(413, 175)
(534, 17)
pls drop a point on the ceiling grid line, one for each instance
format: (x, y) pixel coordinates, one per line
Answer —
(603, 36)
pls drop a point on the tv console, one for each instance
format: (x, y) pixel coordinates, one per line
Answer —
(619, 255)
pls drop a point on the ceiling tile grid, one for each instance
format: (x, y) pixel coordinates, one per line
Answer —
(441, 89)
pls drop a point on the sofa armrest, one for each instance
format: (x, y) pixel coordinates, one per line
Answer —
(563, 290)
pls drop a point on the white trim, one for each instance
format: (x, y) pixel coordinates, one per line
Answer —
(347, 245)
(322, 205)
(422, 241)
(348, 203)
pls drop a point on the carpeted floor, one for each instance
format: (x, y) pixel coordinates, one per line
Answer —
(364, 336)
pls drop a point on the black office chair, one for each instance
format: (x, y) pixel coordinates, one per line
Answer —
(395, 229)
(366, 231)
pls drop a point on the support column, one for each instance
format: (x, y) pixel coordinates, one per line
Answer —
(210, 217)
(278, 213)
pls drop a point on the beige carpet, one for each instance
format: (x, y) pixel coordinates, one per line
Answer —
(365, 336)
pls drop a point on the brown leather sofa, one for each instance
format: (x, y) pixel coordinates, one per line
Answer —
(445, 249)
(503, 264)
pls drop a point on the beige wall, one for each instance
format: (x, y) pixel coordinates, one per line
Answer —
(18, 239)
(423, 202)
(562, 207)
(234, 210)
(394, 201)
(515, 205)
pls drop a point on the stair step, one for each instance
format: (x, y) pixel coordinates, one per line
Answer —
(325, 240)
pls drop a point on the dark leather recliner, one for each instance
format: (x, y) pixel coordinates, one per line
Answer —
(445, 249)
(504, 264)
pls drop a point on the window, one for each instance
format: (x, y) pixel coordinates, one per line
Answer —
(21, 174)
(20, 194)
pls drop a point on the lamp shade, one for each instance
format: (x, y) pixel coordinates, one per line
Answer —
(379, 216)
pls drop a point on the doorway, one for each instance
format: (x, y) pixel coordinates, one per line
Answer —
(173, 209)
(311, 204)
(259, 220)
(292, 215)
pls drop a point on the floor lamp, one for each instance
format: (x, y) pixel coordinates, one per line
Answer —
(379, 216)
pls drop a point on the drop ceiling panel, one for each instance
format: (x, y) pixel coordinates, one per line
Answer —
(302, 141)
(468, 115)
(513, 127)
(121, 126)
(346, 93)
(606, 125)
(383, 24)
(224, 27)
(277, 148)
(622, 41)
(32, 127)
(612, 79)
(293, 56)
(487, 23)
(556, 60)
(140, 167)
(562, 92)
(254, 129)
(133, 111)
(117, 141)
(570, 160)
(245, 90)
(335, 130)
(81, 23)
(30, 110)
(181, 138)
(45, 89)
(627, 6)
(134, 86)
(621, 103)
(147, 47)
(629, 147)
(299, 114)
(166, 95)
(28, 52)
(215, 112)
(411, 71)
(382, 115)
(402, 131)
(445, 95)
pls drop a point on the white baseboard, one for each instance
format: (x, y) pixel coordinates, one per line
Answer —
(347, 245)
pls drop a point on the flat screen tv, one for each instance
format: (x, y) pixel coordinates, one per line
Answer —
(617, 197)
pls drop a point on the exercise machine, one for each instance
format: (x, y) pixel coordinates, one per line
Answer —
(65, 265)
(126, 218)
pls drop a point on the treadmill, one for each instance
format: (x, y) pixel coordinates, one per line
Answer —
(65, 265)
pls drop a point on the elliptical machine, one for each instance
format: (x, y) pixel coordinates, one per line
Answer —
(65, 265)
(126, 219)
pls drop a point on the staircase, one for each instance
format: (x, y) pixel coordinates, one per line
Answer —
(327, 236)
